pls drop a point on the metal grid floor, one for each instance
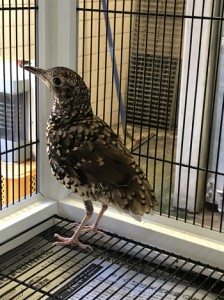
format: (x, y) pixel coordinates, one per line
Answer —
(117, 268)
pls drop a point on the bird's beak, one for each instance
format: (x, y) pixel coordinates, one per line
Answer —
(36, 71)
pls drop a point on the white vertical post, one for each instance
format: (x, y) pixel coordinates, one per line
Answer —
(57, 47)
(217, 140)
(192, 106)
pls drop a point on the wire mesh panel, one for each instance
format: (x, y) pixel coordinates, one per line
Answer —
(18, 114)
(117, 268)
(156, 78)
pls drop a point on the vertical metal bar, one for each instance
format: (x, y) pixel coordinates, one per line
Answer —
(113, 59)
(129, 64)
(120, 94)
(36, 96)
(105, 62)
(11, 123)
(155, 62)
(17, 80)
(28, 175)
(194, 116)
(186, 97)
(24, 101)
(30, 104)
(167, 106)
(143, 60)
(91, 49)
(5, 108)
(184, 118)
(112, 46)
(98, 58)
(144, 80)
(173, 165)
(19, 127)
(173, 132)
(159, 103)
(83, 41)
(152, 83)
(136, 55)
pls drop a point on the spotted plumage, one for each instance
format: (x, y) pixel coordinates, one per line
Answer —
(86, 155)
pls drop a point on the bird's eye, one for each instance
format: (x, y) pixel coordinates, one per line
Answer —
(56, 81)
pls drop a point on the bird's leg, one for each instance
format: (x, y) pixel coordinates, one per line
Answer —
(93, 228)
(74, 239)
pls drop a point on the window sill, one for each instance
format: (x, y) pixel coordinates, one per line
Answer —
(177, 237)
(183, 239)
(20, 217)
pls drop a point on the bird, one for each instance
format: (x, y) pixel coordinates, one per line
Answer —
(87, 157)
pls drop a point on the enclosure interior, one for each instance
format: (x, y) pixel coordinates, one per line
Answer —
(154, 76)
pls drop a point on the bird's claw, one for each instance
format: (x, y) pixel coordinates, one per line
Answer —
(91, 228)
(70, 241)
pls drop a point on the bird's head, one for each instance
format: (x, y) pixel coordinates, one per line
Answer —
(67, 87)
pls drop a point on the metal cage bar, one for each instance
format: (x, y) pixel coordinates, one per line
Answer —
(18, 105)
(159, 39)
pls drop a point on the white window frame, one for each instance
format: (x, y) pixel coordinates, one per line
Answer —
(58, 44)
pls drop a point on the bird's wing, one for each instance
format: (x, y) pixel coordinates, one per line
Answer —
(94, 151)
(103, 159)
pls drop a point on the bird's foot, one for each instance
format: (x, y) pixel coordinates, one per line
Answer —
(64, 241)
(91, 228)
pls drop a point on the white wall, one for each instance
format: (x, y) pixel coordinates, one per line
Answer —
(20, 22)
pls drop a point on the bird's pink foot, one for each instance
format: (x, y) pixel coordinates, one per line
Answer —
(70, 241)
(91, 228)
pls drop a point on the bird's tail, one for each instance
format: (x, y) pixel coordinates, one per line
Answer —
(136, 199)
